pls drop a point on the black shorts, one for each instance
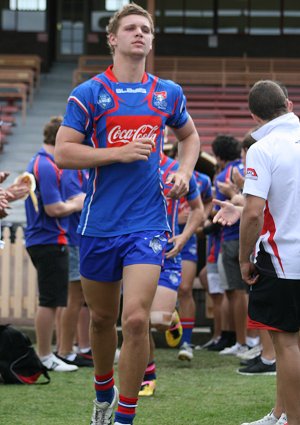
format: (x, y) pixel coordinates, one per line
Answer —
(52, 265)
(275, 303)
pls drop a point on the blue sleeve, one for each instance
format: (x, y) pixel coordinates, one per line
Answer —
(193, 190)
(179, 115)
(79, 114)
(72, 182)
(207, 192)
(49, 183)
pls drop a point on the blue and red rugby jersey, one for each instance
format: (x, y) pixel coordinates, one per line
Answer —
(204, 186)
(75, 183)
(42, 229)
(229, 232)
(124, 197)
(167, 166)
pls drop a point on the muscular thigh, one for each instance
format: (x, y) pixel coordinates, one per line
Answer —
(102, 298)
(139, 287)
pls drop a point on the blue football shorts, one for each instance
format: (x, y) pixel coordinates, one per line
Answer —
(190, 250)
(103, 259)
(170, 276)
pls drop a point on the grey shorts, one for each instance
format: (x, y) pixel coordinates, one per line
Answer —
(74, 274)
(221, 271)
(230, 255)
(214, 280)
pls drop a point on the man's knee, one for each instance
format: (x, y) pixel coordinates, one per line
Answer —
(100, 321)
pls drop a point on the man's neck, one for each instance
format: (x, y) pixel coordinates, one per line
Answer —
(49, 149)
(128, 71)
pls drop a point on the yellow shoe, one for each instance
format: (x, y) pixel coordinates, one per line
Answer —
(147, 388)
(174, 334)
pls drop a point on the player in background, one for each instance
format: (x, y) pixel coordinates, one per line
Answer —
(187, 305)
(163, 316)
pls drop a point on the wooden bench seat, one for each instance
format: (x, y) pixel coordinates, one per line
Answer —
(11, 92)
(25, 76)
(32, 62)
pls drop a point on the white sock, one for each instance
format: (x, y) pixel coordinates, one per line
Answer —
(267, 362)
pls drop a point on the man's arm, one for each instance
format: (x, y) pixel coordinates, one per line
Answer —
(63, 209)
(188, 154)
(71, 153)
(250, 230)
(195, 219)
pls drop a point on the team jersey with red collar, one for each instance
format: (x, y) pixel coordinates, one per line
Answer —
(41, 229)
(229, 232)
(167, 166)
(124, 197)
(204, 186)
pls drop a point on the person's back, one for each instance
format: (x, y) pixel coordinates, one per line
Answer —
(279, 150)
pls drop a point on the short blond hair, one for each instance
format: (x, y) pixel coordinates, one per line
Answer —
(127, 10)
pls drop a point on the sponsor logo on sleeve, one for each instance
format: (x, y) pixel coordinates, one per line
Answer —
(251, 174)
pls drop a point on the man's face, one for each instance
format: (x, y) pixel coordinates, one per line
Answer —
(133, 37)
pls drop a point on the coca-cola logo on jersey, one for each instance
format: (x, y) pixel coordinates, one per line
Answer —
(123, 130)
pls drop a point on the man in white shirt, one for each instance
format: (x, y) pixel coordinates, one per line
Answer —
(270, 224)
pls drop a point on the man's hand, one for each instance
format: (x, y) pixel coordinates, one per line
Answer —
(178, 243)
(227, 188)
(17, 191)
(137, 150)
(180, 184)
(249, 273)
(228, 213)
(3, 176)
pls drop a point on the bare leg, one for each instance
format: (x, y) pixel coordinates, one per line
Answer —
(103, 299)
(69, 318)
(139, 286)
(288, 372)
(83, 328)
(238, 305)
(44, 327)
(268, 351)
(187, 306)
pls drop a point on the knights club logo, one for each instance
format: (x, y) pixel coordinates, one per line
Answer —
(159, 99)
(251, 174)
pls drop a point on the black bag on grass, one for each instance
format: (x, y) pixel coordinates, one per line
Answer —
(19, 363)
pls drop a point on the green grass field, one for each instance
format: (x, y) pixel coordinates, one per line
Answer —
(207, 391)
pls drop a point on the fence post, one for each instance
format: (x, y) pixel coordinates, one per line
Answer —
(5, 272)
(18, 284)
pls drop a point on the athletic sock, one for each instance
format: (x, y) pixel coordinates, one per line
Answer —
(104, 386)
(187, 324)
(150, 374)
(267, 362)
(126, 410)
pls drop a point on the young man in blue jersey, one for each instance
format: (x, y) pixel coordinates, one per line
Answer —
(46, 242)
(114, 126)
(189, 254)
(163, 315)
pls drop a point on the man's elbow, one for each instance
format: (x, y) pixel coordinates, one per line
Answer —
(59, 158)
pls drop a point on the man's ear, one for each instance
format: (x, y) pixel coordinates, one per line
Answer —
(112, 40)
(257, 119)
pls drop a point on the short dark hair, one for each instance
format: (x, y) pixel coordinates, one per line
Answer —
(267, 100)
(248, 140)
(50, 130)
(226, 147)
